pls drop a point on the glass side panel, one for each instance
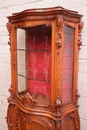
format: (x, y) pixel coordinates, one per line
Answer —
(21, 54)
(34, 62)
(67, 64)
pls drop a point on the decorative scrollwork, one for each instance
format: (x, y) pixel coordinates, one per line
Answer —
(58, 106)
(76, 120)
(12, 117)
(11, 94)
(80, 26)
(9, 28)
(27, 100)
(47, 123)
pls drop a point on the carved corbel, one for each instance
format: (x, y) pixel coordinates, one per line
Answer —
(9, 28)
(80, 26)
(58, 106)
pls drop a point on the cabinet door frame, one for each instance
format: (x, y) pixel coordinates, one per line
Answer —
(75, 61)
(24, 25)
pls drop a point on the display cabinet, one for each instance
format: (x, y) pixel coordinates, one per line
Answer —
(44, 45)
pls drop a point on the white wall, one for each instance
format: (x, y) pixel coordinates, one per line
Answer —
(7, 7)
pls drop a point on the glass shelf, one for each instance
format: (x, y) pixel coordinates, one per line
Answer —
(34, 50)
(34, 79)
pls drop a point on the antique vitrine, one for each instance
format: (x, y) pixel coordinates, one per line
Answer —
(44, 45)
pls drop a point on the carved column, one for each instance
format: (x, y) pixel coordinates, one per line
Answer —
(59, 24)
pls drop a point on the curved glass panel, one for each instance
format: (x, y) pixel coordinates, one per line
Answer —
(67, 64)
(21, 58)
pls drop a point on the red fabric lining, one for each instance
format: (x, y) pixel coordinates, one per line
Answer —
(39, 60)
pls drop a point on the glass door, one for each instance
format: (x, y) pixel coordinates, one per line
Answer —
(34, 63)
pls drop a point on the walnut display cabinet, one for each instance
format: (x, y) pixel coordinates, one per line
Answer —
(44, 45)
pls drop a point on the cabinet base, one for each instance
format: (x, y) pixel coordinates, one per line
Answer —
(18, 120)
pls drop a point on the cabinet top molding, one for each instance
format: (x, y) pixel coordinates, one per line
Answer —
(45, 13)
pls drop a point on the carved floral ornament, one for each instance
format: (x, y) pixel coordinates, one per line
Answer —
(27, 100)
(59, 24)
(9, 28)
(58, 42)
(58, 106)
(11, 94)
(77, 97)
(80, 26)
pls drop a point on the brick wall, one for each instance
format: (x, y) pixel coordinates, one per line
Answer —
(7, 7)
(81, 7)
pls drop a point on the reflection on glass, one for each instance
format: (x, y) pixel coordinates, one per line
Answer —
(34, 62)
(21, 59)
(67, 64)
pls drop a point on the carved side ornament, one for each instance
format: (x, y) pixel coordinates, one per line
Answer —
(11, 94)
(80, 26)
(9, 28)
(12, 117)
(76, 120)
(59, 24)
(58, 106)
(77, 96)
(26, 100)
(58, 42)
